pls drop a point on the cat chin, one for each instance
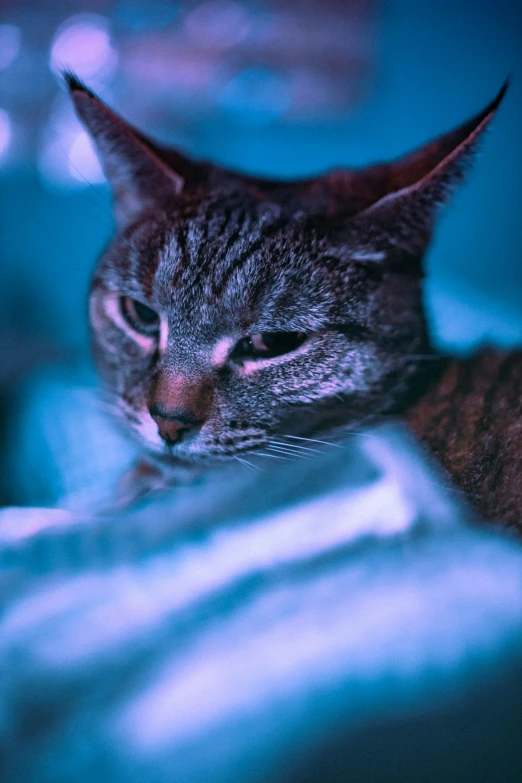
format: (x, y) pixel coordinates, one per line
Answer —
(190, 459)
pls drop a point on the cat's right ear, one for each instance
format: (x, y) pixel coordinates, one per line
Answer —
(138, 176)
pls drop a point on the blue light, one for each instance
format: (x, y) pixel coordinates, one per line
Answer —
(256, 96)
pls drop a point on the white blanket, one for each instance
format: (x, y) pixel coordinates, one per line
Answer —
(330, 619)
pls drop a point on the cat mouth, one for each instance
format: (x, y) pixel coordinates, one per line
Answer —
(214, 453)
(239, 440)
(272, 446)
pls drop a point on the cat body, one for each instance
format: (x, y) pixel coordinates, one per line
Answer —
(233, 315)
(471, 419)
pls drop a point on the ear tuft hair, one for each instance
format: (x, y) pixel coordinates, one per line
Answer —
(73, 82)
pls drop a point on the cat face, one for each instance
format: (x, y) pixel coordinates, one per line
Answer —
(252, 329)
(231, 313)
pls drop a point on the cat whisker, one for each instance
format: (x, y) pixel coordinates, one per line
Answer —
(357, 433)
(271, 456)
(290, 452)
(89, 184)
(249, 465)
(315, 440)
(92, 201)
(295, 446)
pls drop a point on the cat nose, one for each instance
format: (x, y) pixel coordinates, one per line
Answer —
(179, 404)
(173, 425)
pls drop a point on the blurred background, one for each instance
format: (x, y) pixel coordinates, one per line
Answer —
(277, 88)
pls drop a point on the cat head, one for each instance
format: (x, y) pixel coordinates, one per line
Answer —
(230, 312)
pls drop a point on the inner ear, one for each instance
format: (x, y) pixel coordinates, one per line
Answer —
(138, 176)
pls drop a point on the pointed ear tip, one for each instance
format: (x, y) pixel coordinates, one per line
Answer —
(74, 83)
(495, 103)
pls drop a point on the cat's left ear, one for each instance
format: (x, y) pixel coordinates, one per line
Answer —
(136, 173)
(398, 227)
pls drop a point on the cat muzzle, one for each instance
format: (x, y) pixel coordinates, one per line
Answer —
(178, 406)
(172, 427)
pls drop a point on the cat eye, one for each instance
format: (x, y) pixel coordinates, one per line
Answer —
(141, 318)
(266, 345)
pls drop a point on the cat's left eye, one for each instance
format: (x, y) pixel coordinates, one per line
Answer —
(140, 317)
(266, 345)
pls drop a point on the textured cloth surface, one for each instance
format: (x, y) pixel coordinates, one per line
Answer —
(335, 618)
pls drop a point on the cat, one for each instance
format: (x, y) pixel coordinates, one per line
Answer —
(233, 315)
(472, 421)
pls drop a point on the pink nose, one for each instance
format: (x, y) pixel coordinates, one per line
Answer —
(170, 430)
(178, 405)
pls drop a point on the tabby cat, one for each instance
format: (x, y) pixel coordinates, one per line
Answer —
(233, 315)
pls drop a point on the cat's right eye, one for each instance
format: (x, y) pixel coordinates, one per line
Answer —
(267, 345)
(140, 317)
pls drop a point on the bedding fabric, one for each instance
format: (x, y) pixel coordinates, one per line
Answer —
(338, 618)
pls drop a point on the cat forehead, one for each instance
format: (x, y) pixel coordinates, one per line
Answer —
(248, 274)
(233, 243)
(233, 260)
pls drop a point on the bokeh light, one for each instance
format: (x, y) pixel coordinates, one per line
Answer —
(256, 96)
(67, 158)
(218, 24)
(83, 44)
(83, 162)
(140, 15)
(5, 133)
(10, 44)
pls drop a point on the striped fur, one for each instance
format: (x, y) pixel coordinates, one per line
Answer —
(220, 257)
(472, 420)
